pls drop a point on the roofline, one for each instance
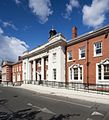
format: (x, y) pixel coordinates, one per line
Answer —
(47, 45)
(17, 62)
(88, 35)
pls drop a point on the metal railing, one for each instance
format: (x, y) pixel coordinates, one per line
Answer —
(92, 88)
(10, 83)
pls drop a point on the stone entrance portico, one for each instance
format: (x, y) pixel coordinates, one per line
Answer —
(46, 62)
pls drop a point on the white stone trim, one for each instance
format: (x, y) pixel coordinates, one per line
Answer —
(68, 56)
(102, 81)
(80, 58)
(34, 70)
(42, 68)
(94, 48)
(76, 66)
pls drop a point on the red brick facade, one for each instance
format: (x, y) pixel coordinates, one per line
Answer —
(17, 72)
(12, 72)
(7, 71)
(89, 62)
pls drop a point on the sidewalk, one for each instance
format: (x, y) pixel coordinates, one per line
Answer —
(92, 97)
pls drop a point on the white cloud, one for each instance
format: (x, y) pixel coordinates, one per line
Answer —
(41, 8)
(95, 15)
(17, 2)
(69, 7)
(9, 24)
(11, 47)
(1, 31)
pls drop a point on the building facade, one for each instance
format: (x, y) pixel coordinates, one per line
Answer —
(6, 71)
(12, 72)
(83, 59)
(46, 62)
(17, 72)
(88, 57)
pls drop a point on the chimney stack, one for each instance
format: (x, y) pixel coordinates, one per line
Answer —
(19, 58)
(74, 32)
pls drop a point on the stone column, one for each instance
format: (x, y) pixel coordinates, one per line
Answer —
(29, 71)
(34, 70)
(42, 68)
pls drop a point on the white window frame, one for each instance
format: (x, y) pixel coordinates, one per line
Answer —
(100, 54)
(80, 52)
(54, 74)
(68, 54)
(19, 67)
(75, 66)
(102, 80)
(54, 57)
(24, 66)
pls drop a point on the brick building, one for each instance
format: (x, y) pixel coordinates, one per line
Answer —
(88, 57)
(17, 72)
(12, 72)
(6, 71)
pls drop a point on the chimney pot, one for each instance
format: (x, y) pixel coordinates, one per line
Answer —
(19, 58)
(74, 32)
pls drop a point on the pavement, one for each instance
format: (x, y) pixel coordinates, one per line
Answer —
(22, 103)
(87, 96)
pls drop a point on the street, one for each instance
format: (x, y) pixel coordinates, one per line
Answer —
(20, 104)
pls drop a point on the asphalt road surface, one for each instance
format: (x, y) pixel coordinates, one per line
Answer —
(20, 104)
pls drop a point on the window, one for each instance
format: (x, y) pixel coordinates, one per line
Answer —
(76, 73)
(71, 73)
(24, 76)
(80, 73)
(98, 49)
(54, 74)
(103, 72)
(24, 66)
(54, 57)
(17, 68)
(82, 53)
(99, 72)
(69, 56)
(106, 71)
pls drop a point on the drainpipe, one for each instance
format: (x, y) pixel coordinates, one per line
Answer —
(87, 63)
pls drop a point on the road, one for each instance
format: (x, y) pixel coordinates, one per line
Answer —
(20, 104)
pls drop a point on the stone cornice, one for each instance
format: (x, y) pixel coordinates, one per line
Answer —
(60, 40)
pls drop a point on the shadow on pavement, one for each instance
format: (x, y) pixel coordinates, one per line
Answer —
(61, 116)
(25, 114)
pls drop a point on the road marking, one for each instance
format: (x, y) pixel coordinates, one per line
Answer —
(68, 102)
(97, 113)
(45, 110)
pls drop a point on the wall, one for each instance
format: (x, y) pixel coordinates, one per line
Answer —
(89, 63)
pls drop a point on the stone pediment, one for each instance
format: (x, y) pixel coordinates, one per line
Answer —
(106, 61)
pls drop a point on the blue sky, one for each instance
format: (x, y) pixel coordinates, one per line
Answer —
(25, 24)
